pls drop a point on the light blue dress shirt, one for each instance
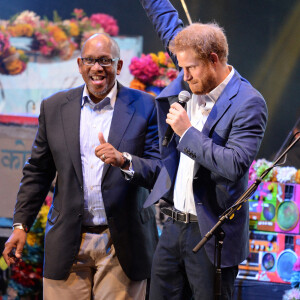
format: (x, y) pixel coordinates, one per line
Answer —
(94, 118)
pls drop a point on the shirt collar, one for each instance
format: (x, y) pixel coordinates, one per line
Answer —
(206, 102)
(217, 91)
(112, 95)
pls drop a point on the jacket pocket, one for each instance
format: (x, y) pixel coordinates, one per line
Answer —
(53, 215)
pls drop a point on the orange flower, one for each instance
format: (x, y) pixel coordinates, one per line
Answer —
(14, 67)
(58, 34)
(74, 29)
(21, 30)
(297, 177)
(136, 84)
(274, 175)
(66, 50)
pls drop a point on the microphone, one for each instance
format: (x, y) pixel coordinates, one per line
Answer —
(183, 98)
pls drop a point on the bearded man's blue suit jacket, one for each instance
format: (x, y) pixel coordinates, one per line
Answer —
(56, 149)
(223, 151)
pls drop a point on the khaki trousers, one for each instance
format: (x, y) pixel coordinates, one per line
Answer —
(95, 274)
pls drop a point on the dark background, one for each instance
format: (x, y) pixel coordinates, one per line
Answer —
(263, 36)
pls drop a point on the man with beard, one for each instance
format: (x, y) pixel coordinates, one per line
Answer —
(206, 164)
(99, 240)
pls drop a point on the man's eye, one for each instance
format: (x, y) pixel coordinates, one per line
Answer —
(89, 60)
(105, 60)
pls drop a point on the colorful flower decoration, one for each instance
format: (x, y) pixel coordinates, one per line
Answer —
(277, 174)
(12, 61)
(108, 23)
(26, 277)
(152, 70)
(55, 38)
(294, 293)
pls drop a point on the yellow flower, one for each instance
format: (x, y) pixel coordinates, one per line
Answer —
(154, 57)
(31, 239)
(171, 64)
(162, 60)
(21, 30)
(43, 215)
(74, 29)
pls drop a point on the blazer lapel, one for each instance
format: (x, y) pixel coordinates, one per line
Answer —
(123, 113)
(70, 112)
(223, 103)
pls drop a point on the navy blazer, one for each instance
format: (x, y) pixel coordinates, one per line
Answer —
(223, 151)
(56, 149)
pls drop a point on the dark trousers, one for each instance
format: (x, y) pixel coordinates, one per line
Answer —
(180, 274)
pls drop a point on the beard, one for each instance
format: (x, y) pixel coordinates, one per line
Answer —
(95, 95)
(204, 85)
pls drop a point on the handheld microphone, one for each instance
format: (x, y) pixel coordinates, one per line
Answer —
(183, 98)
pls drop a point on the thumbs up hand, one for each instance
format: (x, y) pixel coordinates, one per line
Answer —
(101, 138)
(108, 153)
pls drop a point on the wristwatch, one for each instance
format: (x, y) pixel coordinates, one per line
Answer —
(127, 160)
(21, 226)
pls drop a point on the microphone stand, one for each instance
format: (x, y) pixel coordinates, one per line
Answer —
(229, 214)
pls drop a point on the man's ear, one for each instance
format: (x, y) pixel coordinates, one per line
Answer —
(119, 66)
(213, 57)
(79, 63)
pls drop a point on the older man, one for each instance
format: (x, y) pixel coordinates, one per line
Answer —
(99, 239)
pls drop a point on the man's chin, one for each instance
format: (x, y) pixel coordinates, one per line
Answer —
(99, 93)
(196, 91)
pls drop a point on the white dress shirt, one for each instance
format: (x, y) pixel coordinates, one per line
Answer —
(94, 118)
(198, 109)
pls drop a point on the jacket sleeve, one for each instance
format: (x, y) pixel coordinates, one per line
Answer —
(38, 174)
(147, 167)
(229, 155)
(165, 20)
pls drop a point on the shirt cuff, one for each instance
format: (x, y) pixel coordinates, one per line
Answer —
(128, 174)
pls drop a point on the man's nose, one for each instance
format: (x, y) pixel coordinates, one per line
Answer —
(187, 76)
(97, 66)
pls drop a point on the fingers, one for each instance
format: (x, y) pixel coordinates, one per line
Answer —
(176, 107)
(101, 138)
(19, 250)
(8, 254)
(178, 119)
(14, 246)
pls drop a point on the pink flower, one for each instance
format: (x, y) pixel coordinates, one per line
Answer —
(108, 23)
(159, 83)
(144, 68)
(4, 43)
(78, 13)
(46, 50)
(48, 201)
(252, 173)
(162, 71)
(172, 74)
(297, 265)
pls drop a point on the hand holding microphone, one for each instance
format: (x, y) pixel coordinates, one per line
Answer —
(177, 118)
